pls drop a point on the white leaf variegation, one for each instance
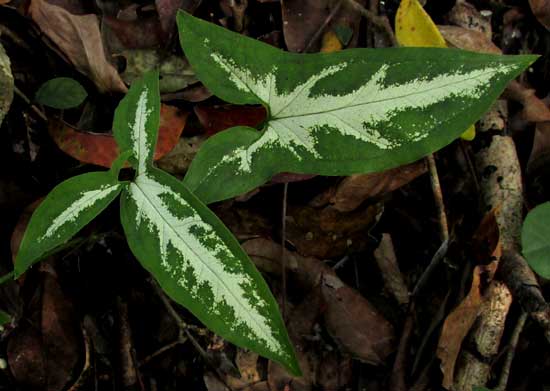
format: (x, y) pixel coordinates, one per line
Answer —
(85, 201)
(353, 111)
(137, 120)
(298, 116)
(200, 265)
(65, 211)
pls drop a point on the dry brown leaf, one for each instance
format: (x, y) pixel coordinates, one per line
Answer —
(534, 109)
(354, 323)
(350, 319)
(300, 324)
(537, 175)
(301, 20)
(79, 38)
(329, 233)
(541, 9)
(463, 38)
(355, 189)
(456, 327)
(45, 358)
(465, 15)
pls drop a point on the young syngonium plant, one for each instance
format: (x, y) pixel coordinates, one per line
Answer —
(193, 256)
(353, 111)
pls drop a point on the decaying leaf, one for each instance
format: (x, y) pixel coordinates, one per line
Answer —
(541, 9)
(44, 357)
(138, 33)
(465, 15)
(462, 38)
(175, 72)
(349, 194)
(354, 323)
(301, 20)
(79, 38)
(534, 109)
(101, 148)
(456, 327)
(348, 316)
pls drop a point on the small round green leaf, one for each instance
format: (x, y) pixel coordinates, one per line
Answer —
(535, 239)
(61, 93)
(4, 318)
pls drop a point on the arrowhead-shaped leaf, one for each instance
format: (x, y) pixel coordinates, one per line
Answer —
(137, 119)
(199, 263)
(354, 111)
(65, 211)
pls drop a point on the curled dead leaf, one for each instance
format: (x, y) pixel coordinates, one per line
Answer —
(349, 194)
(462, 38)
(541, 9)
(354, 323)
(79, 39)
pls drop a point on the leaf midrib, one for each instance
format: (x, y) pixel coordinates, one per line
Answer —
(274, 118)
(198, 257)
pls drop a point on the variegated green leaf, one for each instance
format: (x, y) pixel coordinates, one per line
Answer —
(137, 118)
(65, 211)
(352, 111)
(199, 263)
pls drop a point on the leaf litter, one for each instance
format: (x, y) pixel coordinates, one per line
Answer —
(340, 315)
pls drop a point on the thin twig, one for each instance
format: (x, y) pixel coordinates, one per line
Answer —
(184, 328)
(322, 28)
(39, 112)
(160, 351)
(283, 248)
(379, 21)
(397, 379)
(503, 380)
(438, 196)
(436, 259)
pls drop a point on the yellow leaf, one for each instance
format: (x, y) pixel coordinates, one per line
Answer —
(331, 43)
(414, 27)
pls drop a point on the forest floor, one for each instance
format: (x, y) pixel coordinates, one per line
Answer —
(403, 280)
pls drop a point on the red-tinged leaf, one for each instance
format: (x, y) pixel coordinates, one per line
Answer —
(214, 119)
(101, 149)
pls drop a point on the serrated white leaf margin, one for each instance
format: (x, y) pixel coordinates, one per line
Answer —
(86, 200)
(200, 252)
(297, 116)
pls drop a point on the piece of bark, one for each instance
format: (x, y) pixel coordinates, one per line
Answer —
(473, 371)
(500, 177)
(6, 84)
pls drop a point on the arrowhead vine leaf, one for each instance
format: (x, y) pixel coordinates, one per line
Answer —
(188, 250)
(66, 210)
(354, 111)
